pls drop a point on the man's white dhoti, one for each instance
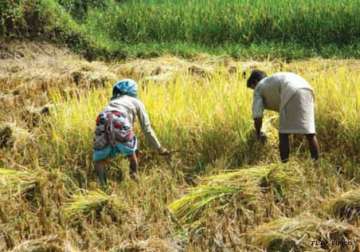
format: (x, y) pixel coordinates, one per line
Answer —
(298, 116)
(291, 96)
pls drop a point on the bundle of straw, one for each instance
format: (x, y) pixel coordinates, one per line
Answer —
(246, 185)
(48, 243)
(14, 181)
(85, 203)
(305, 233)
(345, 206)
(151, 244)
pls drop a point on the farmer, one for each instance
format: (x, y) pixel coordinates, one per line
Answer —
(291, 96)
(114, 130)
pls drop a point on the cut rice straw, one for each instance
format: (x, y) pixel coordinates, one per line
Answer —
(17, 182)
(84, 203)
(246, 184)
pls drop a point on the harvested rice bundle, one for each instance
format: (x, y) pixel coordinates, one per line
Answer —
(246, 185)
(91, 202)
(346, 206)
(47, 243)
(151, 244)
(14, 181)
(305, 233)
(190, 206)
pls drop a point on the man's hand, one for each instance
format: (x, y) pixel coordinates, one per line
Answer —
(164, 152)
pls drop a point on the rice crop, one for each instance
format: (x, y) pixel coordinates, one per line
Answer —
(241, 21)
(241, 28)
(190, 114)
(219, 185)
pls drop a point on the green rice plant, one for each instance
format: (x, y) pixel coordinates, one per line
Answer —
(305, 233)
(346, 206)
(241, 28)
(262, 27)
(17, 182)
(247, 185)
(83, 204)
(240, 21)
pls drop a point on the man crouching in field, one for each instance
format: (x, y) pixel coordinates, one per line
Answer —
(114, 129)
(291, 96)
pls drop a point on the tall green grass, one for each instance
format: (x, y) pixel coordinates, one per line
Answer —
(219, 22)
(235, 27)
(242, 28)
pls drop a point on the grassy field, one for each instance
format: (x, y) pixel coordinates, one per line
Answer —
(243, 29)
(219, 190)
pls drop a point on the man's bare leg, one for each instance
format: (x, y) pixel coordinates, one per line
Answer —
(284, 147)
(100, 168)
(313, 146)
(133, 166)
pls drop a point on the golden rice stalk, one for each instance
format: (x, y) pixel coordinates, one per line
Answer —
(85, 203)
(345, 206)
(151, 244)
(14, 181)
(187, 208)
(305, 233)
(246, 185)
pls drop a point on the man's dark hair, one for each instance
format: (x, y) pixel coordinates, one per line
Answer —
(255, 76)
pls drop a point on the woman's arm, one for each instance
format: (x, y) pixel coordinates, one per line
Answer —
(149, 133)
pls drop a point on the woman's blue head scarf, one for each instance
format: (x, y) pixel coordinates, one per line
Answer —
(124, 87)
